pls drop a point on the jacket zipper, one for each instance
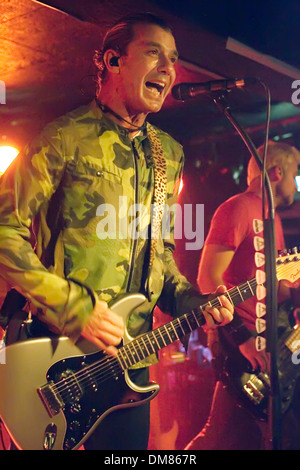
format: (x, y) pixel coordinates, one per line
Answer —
(134, 235)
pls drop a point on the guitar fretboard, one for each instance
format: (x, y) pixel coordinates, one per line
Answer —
(150, 343)
(111, 367)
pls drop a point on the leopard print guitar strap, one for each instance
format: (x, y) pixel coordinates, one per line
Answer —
(160, 188)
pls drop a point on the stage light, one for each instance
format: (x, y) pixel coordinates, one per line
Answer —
(180, 186)
(7, 155)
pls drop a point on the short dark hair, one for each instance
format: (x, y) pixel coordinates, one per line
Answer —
(119, 36)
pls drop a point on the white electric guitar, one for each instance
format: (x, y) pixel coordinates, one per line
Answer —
(53, 393)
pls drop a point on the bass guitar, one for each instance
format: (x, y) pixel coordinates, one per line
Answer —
(253, 387)
(54, 393)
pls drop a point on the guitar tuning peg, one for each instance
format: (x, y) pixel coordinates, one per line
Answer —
(295, 252)
(284, 252)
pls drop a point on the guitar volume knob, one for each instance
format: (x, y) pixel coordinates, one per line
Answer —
(70, 443)
(75, 408)
(74, 426)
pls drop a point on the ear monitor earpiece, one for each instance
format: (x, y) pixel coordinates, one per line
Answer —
(114, 61)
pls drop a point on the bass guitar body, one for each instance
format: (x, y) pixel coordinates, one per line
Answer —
(253, 387)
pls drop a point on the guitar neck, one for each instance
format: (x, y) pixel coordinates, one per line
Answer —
(150, 343)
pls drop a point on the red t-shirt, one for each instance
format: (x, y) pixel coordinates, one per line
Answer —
(237, 224)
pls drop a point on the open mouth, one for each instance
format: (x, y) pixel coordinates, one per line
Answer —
(155, 88)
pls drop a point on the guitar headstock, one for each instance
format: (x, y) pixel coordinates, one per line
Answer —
(288, 265)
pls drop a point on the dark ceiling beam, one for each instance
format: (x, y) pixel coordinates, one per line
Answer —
(278, 125)
(59, 6)
(196, 45)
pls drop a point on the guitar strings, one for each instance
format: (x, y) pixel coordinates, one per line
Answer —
(108, 373)
(107, 361)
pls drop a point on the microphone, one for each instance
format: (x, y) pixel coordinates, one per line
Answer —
(183, 91)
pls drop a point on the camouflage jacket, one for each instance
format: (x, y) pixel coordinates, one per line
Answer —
(75, 184)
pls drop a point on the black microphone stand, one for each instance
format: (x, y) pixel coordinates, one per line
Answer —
(275, 418)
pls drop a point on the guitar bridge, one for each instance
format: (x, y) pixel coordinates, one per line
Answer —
(255, 388)
(51, 399)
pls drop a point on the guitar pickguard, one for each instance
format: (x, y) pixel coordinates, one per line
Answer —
(85, 403)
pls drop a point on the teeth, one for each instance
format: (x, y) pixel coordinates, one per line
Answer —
(154, 91)
(155, 88)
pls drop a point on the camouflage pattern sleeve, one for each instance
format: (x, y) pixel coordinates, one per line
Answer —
(25, 188)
